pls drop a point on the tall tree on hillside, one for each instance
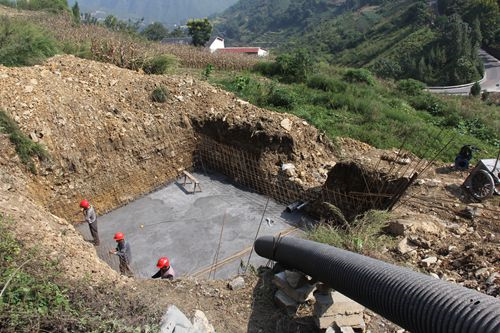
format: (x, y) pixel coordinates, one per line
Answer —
(155, 31)
(477, 37)
(200, 30)
(76, 12)
(487, 12)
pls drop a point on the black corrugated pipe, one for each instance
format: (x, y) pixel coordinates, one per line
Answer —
(414, 301)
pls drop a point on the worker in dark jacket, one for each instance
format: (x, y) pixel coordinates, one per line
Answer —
(91, 219)
(124, 254)
(166, 271)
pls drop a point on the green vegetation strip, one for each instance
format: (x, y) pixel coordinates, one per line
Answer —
(352, 103)
(364, 235)
(26, 149)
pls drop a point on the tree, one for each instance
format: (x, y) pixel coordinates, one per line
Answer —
(477, 37)
(200, 30)
(76, 12)
(475, 90)
(111, 22)
(155, 31)
(178, 32)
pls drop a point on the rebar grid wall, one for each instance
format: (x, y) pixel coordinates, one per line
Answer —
(245, 169)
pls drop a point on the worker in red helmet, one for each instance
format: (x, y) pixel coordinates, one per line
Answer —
(124, 253)
(166, 271)
(91, 219)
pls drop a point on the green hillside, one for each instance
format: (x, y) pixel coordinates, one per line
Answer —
(396, 39)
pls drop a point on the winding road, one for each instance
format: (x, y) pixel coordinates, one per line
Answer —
(490, 82)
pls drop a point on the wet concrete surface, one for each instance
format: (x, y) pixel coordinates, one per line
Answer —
(186, 227)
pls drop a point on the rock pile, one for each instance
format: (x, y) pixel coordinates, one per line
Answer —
(332, 310)
(174, 321)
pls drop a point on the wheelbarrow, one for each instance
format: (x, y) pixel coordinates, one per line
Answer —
(484, 180)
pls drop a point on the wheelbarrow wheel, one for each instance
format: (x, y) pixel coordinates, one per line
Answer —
(482, 185)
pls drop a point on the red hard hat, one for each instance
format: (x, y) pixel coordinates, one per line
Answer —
(119, 236)
(84, 204)
(163, 262)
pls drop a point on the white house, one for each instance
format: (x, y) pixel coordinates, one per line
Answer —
(215, 44)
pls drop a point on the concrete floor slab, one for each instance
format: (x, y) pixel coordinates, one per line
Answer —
(186, 227)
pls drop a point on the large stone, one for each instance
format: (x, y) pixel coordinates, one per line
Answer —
(426, 224)
(338, 309)
(237, 283)
(403, 246)
(286, 124)
(201, 324)
(285, 302)
(429, 261)
(175, 321)
(295, 279)
(336, 303)
(354, 320)
(301, 295)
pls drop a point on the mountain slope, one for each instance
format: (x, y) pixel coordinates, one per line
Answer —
(165, 11)
(397, 39)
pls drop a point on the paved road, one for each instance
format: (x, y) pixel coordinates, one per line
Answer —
(491, 81)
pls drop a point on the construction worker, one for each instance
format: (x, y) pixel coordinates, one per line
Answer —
(166, 271)
(124, 254)
(91, 219)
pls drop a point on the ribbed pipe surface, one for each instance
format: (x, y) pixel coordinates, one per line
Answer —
(414, 301)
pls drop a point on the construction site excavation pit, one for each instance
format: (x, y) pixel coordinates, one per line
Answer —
(186, 226)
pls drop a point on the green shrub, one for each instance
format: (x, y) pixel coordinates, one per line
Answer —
(159, 94)
(25, 148)
(207, 71)
(359, 75)
(23, 43)
(294, 67)
(324, 83)
(411, 87)
(160, 64)
(242, 82)
(475, 90)
(280, 97)
(267, 68)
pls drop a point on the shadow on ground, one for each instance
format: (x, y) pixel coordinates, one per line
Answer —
(266, 317)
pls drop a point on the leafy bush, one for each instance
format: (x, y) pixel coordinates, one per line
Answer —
(267, 68)
(159, 94)
(411, 87)
(207, 71)
(160, 64)
(475, 90)
(324, 83)
(359, 75)
(25, 148)
(242, 82)
(23, 43)
(281, 98)
(294, 67)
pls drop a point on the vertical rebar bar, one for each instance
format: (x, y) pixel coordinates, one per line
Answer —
(257, 233)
